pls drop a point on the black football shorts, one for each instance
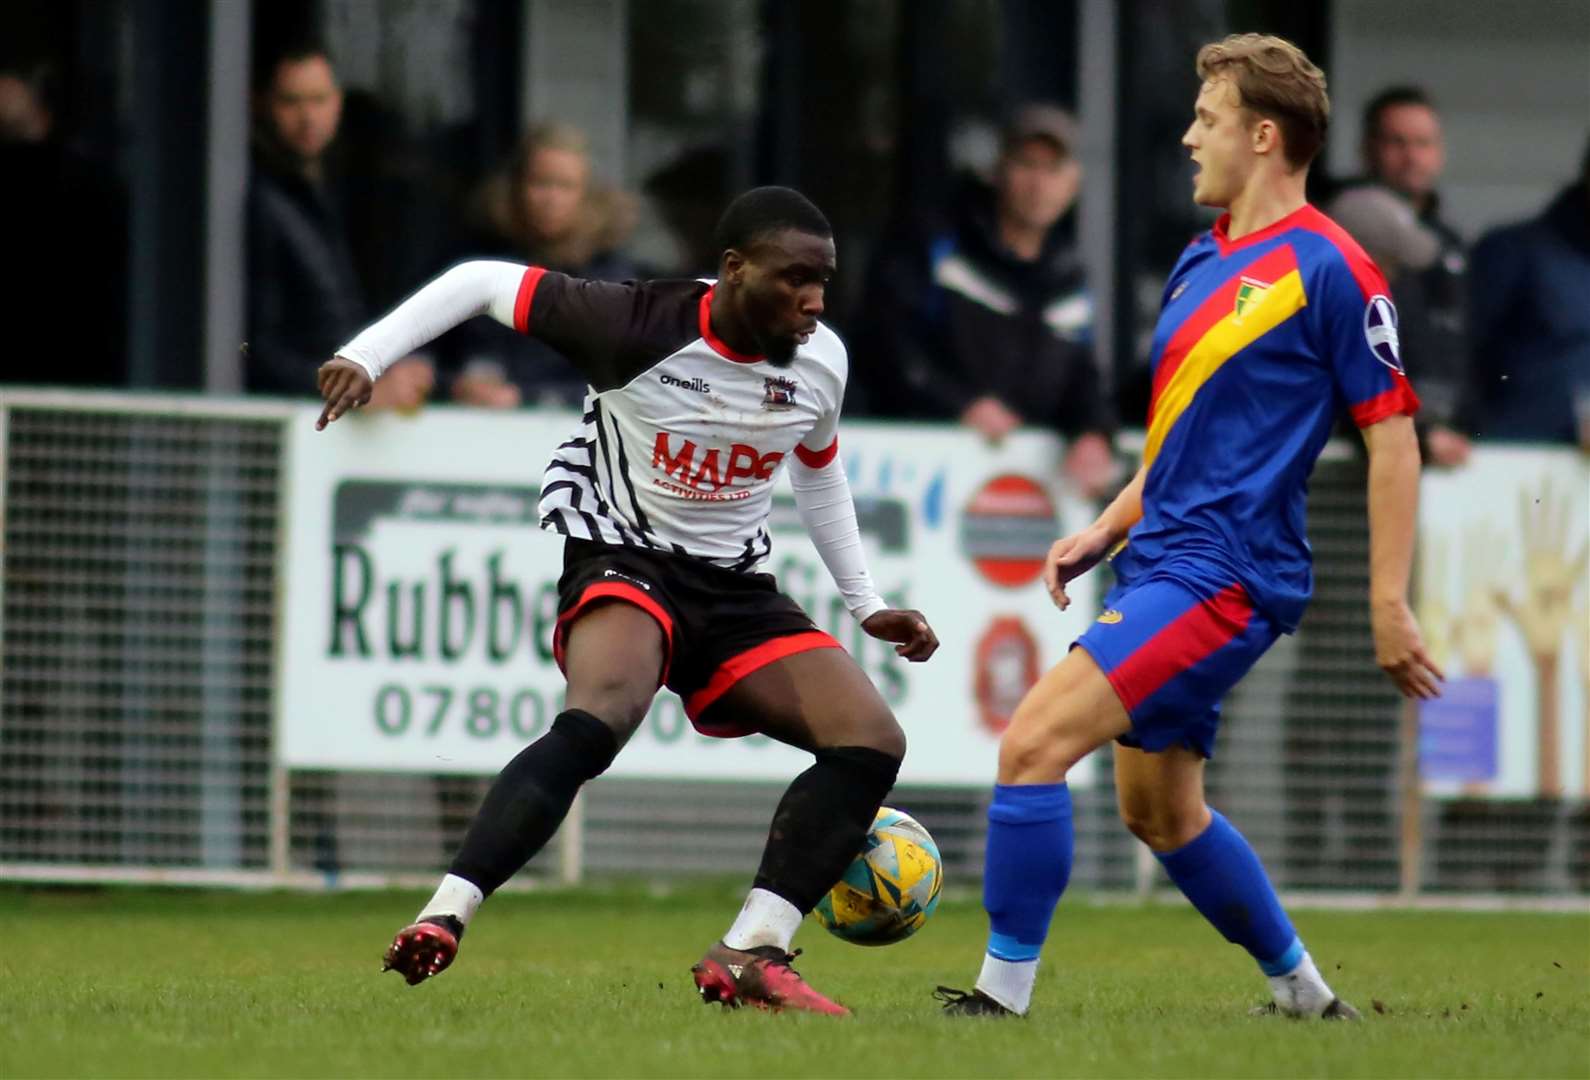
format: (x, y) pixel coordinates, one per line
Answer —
(718, 625)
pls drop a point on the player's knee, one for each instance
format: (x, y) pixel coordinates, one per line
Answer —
(886, 736)
(1034, 753)
(1141, 823)
(881, 733)
(621, 702)
(1162, 828)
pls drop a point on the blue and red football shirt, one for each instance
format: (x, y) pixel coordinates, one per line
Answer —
(1261, 342)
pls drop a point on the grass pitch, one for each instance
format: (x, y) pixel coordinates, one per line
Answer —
(596, 983)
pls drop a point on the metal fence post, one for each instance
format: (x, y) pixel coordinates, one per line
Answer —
(1411, 851)
(571, 844)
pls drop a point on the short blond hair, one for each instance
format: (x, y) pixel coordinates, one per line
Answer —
(1278, 82)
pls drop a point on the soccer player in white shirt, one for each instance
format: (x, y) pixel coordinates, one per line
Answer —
(700, 393)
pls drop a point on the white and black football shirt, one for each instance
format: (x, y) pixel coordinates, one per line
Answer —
(682, 437)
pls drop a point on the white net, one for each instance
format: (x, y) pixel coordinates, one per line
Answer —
(138, 621)
(141, 575)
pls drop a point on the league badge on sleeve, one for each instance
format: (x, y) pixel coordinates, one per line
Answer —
(1380, 330)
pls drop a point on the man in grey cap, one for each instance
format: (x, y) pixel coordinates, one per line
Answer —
(1394, 212)
(983, 316)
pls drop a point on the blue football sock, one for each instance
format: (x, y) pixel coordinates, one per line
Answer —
(1223, 878)
(1026, 866)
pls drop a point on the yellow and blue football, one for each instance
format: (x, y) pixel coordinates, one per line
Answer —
(890, 889)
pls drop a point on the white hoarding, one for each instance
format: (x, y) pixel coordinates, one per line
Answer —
(1502, 601)
(420, 596)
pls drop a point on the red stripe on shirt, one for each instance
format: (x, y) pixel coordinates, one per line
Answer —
(1371, 282)
(816, 459)
(527, 292)
(1191, 637)
(1400, 400)
(1222, 302)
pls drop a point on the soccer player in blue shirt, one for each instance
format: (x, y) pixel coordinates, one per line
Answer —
(1271, 323)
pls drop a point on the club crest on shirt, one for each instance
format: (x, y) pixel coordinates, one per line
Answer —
(780, 392)
(1380, 330)
(1250, 293)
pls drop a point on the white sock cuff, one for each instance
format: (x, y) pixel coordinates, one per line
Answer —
(765, 919)
(1008, 982)
(456, 897)
(1303, 990)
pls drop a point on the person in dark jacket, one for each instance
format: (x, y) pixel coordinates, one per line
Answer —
(64, 218)
(304, 295)
(1530, 306)
(1394, 212)
(986, 318)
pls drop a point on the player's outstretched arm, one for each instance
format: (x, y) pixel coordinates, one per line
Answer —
(822, 495)
(479, 287)
(1072, 556)
(1393, 517)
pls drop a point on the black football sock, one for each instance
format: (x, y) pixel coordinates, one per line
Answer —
(819, 824)
(530, 797)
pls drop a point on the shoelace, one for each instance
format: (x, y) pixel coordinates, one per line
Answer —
(782, 959)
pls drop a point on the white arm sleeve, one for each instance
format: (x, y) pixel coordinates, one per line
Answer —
(480, 287)
(822, 495)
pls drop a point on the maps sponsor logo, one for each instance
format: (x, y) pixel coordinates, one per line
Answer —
(707, 473)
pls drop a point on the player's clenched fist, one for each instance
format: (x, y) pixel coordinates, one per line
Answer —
(909, 630)
(343, 385)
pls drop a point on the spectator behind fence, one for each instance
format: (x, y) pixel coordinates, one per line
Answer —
(1394, 212)
(304, 296)
(63, 218)
(986, 319)
(1530, 304)
(548, 210)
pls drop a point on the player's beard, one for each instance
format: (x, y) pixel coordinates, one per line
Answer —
(780, 352)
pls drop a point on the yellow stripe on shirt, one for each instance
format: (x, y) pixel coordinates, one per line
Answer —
(1220, 343)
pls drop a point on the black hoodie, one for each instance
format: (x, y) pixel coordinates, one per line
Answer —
(952, 316)
(1530, 304)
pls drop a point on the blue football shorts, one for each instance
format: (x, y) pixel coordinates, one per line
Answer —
(1171, 651)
